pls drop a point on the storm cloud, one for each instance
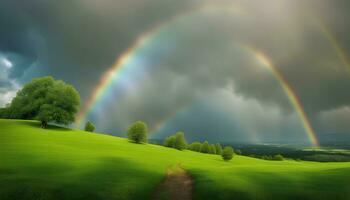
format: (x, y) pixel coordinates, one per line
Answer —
(198, 73)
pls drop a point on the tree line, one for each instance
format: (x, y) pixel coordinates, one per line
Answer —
(178, 141)
(138, 131)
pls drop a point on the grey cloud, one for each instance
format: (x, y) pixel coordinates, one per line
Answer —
(197, 55)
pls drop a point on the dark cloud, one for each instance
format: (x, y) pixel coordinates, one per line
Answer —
(190, 60)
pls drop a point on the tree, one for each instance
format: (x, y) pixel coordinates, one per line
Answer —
(212, 149)
(195, 146)
(218, 149)
(227, 153)
(169, 141)
(205, 147)
(89, 126)
(3, 112)
(278, 157)
(137, 132)
(238, 152)
(45, 99)
(180, 141)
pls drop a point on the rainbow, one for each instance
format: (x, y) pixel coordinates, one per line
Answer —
(161, 123)
(339, 50)
(291, 94)
(111, 75)
(118, 68)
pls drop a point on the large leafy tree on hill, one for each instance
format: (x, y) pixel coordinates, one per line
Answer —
(44, 99)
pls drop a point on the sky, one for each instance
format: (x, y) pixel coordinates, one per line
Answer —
(225, 71)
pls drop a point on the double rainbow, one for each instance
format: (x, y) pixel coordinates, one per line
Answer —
(290, 92)
(118, 68)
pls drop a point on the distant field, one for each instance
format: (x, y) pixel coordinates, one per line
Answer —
(328, 150)
(331, 153)
(64, 164)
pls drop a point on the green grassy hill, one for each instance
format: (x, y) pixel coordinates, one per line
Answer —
(61, 164)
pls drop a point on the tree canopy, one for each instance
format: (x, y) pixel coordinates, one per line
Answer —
(227, 153)
(44, 99)
(218, 149)
(89, 126)
(176, 141)
(180, 141)
(205, 147)
(170, 141)
(137, 132)
(195, 146)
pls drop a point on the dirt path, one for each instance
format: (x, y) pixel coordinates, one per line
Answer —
(177, 185)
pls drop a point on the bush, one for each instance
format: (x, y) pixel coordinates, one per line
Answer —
(265, 157)
(205, 147)
(218, 149)
(169, 141)
(238, 152)
(137, 132)
(176, 141)
(180, 141)
(89, 127)
(212, 149)
(278, 157)
(195, 146)
(227, 153)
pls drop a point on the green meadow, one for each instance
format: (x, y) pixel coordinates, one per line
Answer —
(58, 163)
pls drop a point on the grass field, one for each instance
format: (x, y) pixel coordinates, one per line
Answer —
(59, 163)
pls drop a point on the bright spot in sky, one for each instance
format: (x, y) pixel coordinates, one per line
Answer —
(8, 64)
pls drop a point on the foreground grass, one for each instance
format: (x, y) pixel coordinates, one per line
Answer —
(59, 163)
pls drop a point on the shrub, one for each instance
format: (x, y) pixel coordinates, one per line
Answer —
(212, 149)
(278, 157)
(227, 153)
(195, 146)
(180, 141)
(218, 149)
(238, 152)
(265, 157)
(89, 127)
(137, 132)
(169, 141)
(205, 147)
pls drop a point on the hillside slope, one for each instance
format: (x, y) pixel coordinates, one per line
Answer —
(59, 163)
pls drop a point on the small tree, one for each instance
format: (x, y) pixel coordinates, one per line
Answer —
(89, 126)
(180, 141)
(227, 153)
(195, 146)
(218, 149)
(278, 157)
(137, 132)
(170, 141)
(205, 147)
(238, 152)
(212, 149)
